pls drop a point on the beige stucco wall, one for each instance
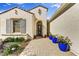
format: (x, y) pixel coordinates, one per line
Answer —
(67, 24)
(43, 14)
(42, 17)
(21, 14)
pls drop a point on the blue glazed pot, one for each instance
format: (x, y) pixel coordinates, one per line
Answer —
(64, 47)
(55, 40)
(51, 37)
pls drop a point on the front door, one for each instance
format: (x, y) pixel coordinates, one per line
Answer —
(39, 28)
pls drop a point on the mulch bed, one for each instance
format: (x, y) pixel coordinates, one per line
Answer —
(22, 47)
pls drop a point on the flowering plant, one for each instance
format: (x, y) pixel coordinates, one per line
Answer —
(63, 39)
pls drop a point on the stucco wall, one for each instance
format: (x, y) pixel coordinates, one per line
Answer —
(67, 24)
(42, 17)
(20, 14)
(43, 14)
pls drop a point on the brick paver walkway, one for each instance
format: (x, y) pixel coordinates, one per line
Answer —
(43, 47)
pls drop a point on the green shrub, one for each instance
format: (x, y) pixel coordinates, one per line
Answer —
(7, 51)
(20, 39)
(10, 49)
(14, 46)
(9, 39)
(16, 39)
(12, 39)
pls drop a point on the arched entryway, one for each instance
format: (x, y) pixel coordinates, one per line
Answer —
(39, 28)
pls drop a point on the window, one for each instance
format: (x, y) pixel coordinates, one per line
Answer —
(16, 25)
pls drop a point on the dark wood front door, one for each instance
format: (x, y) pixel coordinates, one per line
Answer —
(39, 28)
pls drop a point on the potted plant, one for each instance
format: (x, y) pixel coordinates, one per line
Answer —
(50, 36)
(64, 44)
(53, 38)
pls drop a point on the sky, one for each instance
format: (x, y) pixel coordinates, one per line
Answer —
(52, 7)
